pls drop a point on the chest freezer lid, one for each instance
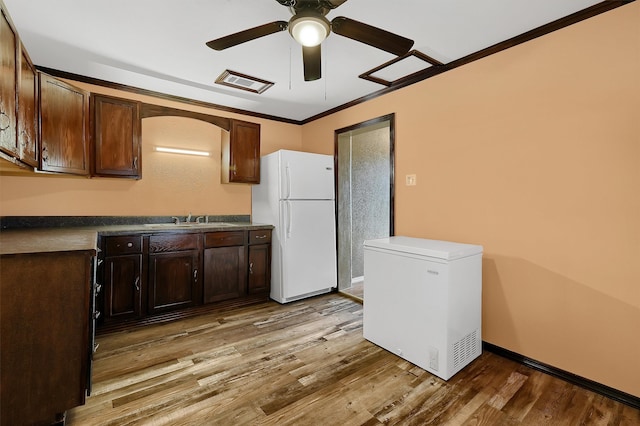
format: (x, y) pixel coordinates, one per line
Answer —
(446, 250)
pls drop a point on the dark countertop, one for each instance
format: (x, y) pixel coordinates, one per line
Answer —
(38, 240)
(169, 227)
(24, 241)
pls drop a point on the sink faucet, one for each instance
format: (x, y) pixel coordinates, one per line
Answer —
(189, 218)
(176, 219)
(199, 218)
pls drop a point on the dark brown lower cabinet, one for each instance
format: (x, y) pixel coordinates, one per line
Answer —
(123, 285)
(173, 280)
(259, 278)
(146, 277)
(224, 265)
(224, 276)
(44, 320)
(174, 266)
(122, 278)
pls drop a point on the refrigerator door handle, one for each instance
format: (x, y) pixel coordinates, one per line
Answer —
(289, 219)
(288, 175)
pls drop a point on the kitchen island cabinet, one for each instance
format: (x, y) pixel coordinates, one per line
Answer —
(46, 281)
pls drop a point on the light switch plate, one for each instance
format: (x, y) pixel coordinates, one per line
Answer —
(411, 180)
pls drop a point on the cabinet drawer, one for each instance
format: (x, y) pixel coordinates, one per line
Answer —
(222, 239)
(123, 245)
(262, 236)
(173, 242)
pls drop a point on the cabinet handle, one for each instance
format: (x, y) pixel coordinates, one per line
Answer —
(135, 162)
(98, 288)
(251, 268)
(260, 237)
(129, 245)
(44, 150)
(137, 283)
(195, 274)
(96, 315)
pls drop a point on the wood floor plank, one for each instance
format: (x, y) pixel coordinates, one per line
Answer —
(307, 363)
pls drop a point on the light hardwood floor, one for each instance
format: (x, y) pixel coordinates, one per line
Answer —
(306, 363)
(356, 291)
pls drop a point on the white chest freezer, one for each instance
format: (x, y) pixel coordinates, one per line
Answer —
(423, 301)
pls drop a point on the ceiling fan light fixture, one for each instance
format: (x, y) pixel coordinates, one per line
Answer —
(309, 30)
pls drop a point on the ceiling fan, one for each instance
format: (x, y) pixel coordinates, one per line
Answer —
(310, 27)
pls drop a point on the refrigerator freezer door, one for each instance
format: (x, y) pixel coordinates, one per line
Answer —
(305, 176)
(308, 247)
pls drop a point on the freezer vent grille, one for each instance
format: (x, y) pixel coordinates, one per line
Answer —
(465, 349)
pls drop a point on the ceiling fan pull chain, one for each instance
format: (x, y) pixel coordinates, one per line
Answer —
(324, 65)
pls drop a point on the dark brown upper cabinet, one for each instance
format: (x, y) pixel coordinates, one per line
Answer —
(64, 127)
(115, 127)
(28, 143)
(241, 153)
(8, 86)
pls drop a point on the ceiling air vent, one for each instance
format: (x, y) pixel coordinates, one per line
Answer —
(243, 82)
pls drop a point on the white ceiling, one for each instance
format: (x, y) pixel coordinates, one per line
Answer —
(159, 45)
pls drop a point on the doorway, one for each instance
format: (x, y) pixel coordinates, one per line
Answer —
(364, 156)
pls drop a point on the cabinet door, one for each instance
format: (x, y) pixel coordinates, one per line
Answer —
(259, 269)
(64, 127)
(241, 153)
(123, 282)
(27, 110)
(116, 137)
(8, 49)
(173, 280)
(224, 275)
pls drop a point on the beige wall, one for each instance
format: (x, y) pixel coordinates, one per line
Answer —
(535, 154)
(171, 184)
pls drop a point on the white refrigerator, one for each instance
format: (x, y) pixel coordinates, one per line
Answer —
(296, 195)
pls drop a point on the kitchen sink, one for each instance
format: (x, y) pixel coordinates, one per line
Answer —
(189, 225)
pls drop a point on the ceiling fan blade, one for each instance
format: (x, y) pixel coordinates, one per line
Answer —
(312, 59)
(247, 35)
(333, 3)
(372, 36)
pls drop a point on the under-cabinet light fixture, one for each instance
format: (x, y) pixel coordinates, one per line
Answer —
(182, 151)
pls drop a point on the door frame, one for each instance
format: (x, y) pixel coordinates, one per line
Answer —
(391, 119)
